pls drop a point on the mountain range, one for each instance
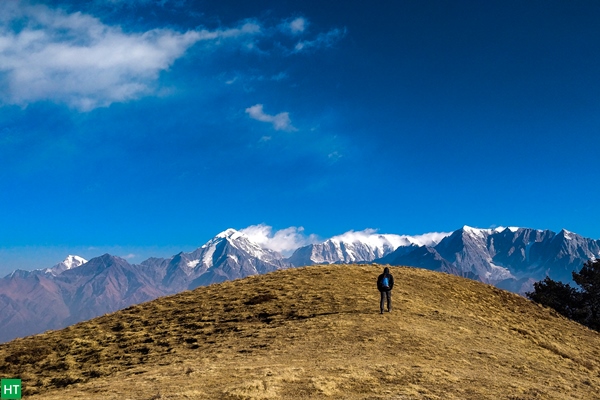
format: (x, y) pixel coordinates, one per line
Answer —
(76, 289)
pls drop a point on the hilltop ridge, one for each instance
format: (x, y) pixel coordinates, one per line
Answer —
(509, 258)
(315, 332)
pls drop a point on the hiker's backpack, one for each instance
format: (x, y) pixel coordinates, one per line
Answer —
(385, 282)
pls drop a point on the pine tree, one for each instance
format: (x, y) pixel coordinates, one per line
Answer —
(589, 281)
(582, 305)
(557, 295)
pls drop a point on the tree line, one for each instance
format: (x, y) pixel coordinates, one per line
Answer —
(579, 304)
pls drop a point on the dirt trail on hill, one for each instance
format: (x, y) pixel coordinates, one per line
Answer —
(316, 333)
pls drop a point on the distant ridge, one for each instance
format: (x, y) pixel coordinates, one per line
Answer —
(291, 334)
(34, 301)
(76, 289)
(511, 258)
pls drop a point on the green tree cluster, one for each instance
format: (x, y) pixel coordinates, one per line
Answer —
(581, 305)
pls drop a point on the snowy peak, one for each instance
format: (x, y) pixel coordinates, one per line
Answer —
(567, 235)
(367, 238)
(481, 232)
(68, 263)
(238, 240)
(476, 232)
(229, 255)
(74, 261)
(230, 234)
(242, 242)
(359, 246)
(203, 257)
(347, 248)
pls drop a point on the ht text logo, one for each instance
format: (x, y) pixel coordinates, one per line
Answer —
(10, 389)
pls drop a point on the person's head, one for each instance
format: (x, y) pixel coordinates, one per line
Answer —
(386, 270)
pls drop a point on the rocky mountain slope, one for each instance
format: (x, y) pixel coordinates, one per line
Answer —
(35, 301)
(229, 255)
(316, 333)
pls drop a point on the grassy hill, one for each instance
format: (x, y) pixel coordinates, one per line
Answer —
(316, 332)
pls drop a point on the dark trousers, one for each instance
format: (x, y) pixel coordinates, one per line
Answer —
(386, 294)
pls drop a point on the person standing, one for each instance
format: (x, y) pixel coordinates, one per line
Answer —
(385, 283)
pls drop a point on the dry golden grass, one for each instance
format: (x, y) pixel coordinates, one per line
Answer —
(316, 332)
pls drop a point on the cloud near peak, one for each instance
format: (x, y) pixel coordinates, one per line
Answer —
(280, 122)
(284, 241)
(374, 238)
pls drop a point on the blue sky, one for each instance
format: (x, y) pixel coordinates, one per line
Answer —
(145, 127)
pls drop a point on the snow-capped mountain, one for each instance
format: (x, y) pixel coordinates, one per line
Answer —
(511, 258)
(229, 255)
(76, 289)
(68, 263)
(467, 250)
(356, 247)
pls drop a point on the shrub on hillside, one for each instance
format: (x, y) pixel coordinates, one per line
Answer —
(581, 305)
(557, 295)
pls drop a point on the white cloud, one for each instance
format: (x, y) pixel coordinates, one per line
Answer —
(428, 239)
(375, 239)
(297, 25)
(368, 235)
(326, 39)
(77, 60)
(281, 121)
(284, 241)
(48, 54)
